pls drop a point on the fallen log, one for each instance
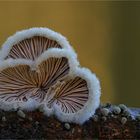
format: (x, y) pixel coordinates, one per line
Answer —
(109, 122)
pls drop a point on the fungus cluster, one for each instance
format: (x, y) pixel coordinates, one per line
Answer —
(39, 68)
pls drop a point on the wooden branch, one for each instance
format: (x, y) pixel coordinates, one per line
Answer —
(107, 123)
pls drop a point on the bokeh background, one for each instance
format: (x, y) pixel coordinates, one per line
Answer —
(106, 36)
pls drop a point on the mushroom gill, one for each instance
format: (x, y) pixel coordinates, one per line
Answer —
(20, 83)
(70, 95)
(38, 67)
(31, 43)
(32, 48)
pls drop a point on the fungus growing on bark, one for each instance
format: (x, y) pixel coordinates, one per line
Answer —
(52, 78)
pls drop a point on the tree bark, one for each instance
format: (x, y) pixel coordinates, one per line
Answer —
(36, 125)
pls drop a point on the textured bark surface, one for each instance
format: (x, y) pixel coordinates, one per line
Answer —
(29, 125)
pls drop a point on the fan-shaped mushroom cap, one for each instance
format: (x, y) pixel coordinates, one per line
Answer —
(31, 43)
(38, 67)
(75, 99)
(25, 83)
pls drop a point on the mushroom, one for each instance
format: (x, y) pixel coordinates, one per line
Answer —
(20, 85)
(31, 43)
(69, 92)
(75, 99)
(38, 68)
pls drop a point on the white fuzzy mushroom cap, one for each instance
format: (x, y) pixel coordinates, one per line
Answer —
(89, 107)
(28, 33)
(68, 91)
(10, 63)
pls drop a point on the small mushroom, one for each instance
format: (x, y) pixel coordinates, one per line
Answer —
(67, 126)
(123, 120)
(116, 110)
(122, 107)
(105, 111)
(126, 113)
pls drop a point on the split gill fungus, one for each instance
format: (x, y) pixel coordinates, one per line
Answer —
(39, 68)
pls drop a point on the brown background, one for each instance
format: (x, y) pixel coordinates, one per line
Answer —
(106, 36)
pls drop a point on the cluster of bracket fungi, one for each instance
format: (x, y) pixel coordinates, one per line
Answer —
(39, 69)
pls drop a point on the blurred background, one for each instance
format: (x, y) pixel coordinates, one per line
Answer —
(106, 36)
